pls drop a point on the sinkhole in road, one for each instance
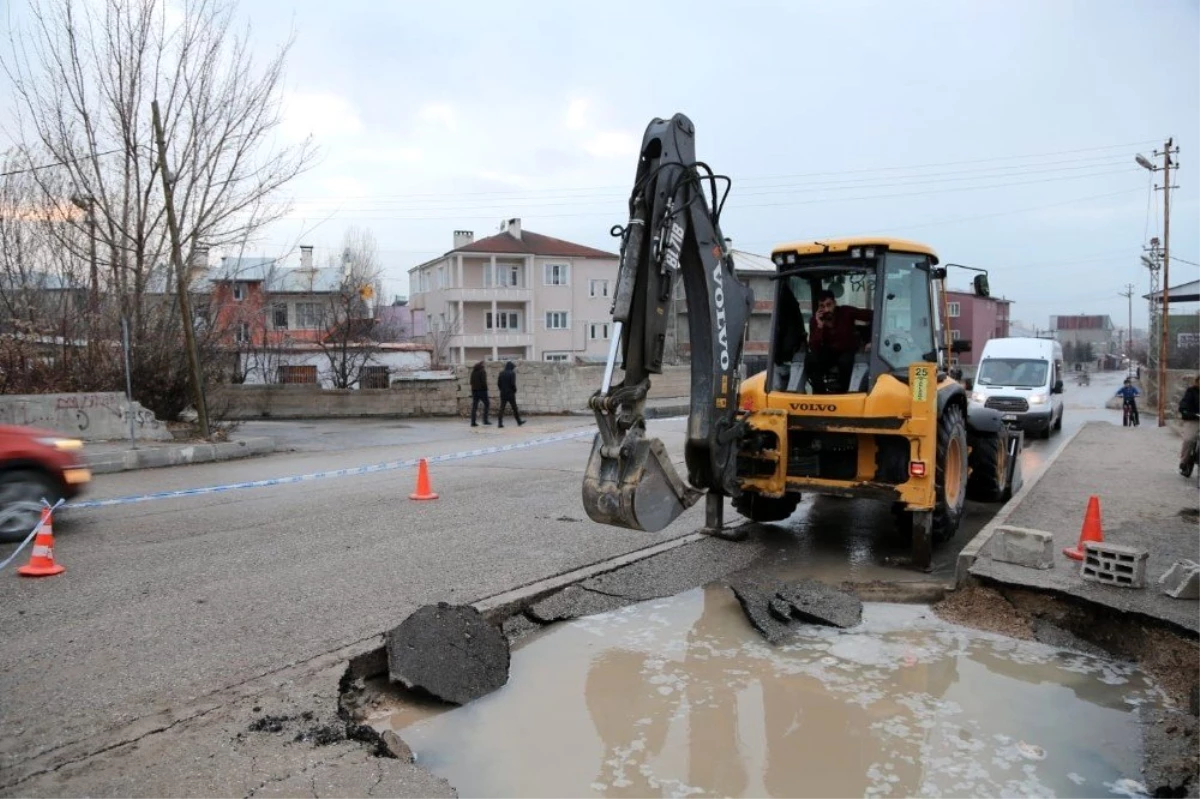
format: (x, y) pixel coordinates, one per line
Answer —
(680, 697)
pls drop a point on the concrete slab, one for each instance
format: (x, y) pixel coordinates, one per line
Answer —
(1033, 549)
(1144, 503)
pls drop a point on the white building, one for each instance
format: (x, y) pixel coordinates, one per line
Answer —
(516, 295)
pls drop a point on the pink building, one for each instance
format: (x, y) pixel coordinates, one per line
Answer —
(977, 320)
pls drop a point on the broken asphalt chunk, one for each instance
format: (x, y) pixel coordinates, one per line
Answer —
(776, 609)
(817, 603)
(449, 651)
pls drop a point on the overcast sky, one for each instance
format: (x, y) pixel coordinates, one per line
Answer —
(1003, 134)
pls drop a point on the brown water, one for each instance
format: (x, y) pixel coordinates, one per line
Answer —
(680, 697)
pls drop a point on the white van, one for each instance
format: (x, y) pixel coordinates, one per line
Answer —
(1023, 379)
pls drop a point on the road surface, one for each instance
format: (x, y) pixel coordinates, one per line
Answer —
(165, 602)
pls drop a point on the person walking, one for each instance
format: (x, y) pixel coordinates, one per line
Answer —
(508, 393)
(1189, 416)
(479, 393)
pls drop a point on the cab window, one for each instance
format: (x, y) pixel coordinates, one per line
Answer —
(906, 334)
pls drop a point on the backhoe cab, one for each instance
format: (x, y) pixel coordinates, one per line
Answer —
(857, 401)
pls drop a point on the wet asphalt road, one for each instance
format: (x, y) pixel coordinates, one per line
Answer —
(165, 601)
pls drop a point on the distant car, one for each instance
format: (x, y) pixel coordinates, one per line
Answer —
(35, 465)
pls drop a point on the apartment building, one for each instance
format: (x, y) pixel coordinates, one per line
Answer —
(977, 320)
(516, 295)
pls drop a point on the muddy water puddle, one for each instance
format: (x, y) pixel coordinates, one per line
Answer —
(680, 697)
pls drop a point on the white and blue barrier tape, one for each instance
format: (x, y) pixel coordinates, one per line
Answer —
(32, 533)
(303, 478)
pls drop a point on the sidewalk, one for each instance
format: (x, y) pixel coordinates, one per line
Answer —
(1144, 503)
(107, 457)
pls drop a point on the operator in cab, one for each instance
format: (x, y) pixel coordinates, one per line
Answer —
(833, 342)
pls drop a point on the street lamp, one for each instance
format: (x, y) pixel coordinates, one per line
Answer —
(1144, 162)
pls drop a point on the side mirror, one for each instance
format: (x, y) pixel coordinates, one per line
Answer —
(981, 286)
(1058, 387)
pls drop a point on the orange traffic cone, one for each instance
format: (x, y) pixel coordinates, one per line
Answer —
(41, 559)
(1091, 529)
(423, 490)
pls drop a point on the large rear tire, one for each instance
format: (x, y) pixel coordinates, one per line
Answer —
(952, 474)
(989, 468)
(758, 508)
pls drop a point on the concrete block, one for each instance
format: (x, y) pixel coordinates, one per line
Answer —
(1114, 564)
(1182, 580)
(1022, 546)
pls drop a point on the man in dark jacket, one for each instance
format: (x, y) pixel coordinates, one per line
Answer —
(1189, 414)
(508, 392)
(832, 342)
(479, 392)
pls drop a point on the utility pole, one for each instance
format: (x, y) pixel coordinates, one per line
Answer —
(181, 283)
(1128, 294)
(1164, 315)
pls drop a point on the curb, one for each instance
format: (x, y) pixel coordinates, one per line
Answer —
(966, 558)
(178, 455)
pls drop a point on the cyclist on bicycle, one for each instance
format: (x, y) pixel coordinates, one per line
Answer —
(1129, 393)
(1189, 414)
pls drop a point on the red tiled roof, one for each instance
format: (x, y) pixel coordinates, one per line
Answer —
(532, 243)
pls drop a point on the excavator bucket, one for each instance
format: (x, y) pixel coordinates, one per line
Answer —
(634, 485)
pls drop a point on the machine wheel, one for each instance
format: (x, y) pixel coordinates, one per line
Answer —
(989, 467)
(758, 508)
(951, 474)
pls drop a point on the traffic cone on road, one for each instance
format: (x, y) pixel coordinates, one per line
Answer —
(41, 559)
(1091, 529)
(423, 490)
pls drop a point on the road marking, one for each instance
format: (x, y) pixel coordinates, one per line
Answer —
(350, 472)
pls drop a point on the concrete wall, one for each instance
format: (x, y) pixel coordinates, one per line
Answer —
(396, 360)
(542, 388)
(1177, 383)
(100, 416)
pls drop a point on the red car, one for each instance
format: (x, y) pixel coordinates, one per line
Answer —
(35, 465)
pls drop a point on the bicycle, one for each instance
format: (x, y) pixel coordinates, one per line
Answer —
(1129, 414)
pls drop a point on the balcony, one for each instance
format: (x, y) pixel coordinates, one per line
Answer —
(489, 295)
(493, 340)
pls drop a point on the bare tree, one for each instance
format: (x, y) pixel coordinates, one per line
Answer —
(84, 74)
(441, 332)
(351, 339)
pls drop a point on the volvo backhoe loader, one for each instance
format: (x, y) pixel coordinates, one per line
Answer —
(881, 419)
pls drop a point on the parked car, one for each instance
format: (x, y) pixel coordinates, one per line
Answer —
(35, 465)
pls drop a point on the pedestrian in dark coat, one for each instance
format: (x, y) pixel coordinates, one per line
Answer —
(479, 393)
(508, 392)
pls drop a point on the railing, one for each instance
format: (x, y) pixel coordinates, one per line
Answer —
(489, 294)
(493, 340)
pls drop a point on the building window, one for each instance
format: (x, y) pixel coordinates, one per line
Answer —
(279, 315)
(556, 357)
(955, 335)
(953, 309)
(504, 320)
(374, 377)
(297, 374)
(557, 320)
(308, 315)
(441, 277)
(598, 288)
(598, 330)
(242, 334)
(239, 291)
(558, 275)
(508, 276)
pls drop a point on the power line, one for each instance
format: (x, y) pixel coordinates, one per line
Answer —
(375, 213)
(58, 163)
(1182, 261)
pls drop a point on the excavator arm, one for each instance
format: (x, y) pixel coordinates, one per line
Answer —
(673, 233)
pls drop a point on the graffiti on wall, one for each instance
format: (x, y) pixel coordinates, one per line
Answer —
(96, 416)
